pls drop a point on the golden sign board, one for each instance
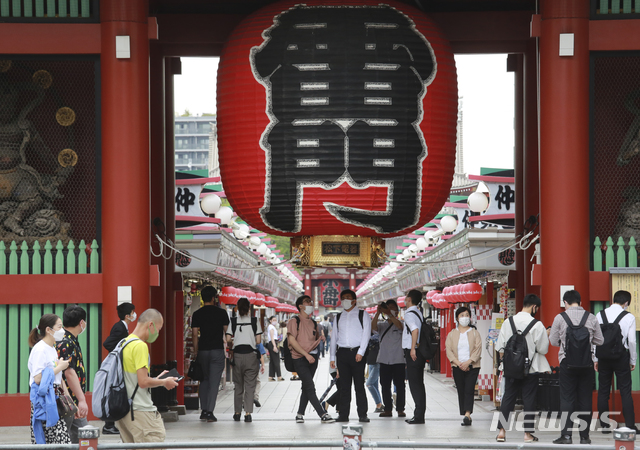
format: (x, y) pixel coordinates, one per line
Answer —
(628, 280)
(338, 251)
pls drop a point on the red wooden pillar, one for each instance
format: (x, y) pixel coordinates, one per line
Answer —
(564, 153)
(125, 155)
(307, 284)
(175, 342)
(515, 65)
(158, 203)
(531, 184)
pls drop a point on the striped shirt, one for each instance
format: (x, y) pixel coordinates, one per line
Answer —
(558, 334)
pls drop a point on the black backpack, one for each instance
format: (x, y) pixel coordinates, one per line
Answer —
(516, 362)
(577, 344)
(286, 351)
(612, 348)
(427, 345)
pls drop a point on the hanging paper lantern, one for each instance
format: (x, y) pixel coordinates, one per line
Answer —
(260, 299)
(430, 296)
(228, 295)
(474, 292)
(337, 117)
(400, 302)
(271, 302)
(457, 293)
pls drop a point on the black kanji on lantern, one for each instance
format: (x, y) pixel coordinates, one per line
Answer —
(344, 96)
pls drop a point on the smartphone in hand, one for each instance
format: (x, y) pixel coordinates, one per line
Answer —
(172, 373)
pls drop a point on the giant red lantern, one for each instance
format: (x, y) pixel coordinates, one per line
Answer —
(337, 118)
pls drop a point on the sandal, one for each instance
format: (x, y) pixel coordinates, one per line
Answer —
(500, 439)
(533, 439)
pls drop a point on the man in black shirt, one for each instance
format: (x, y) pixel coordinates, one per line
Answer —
(211, 322)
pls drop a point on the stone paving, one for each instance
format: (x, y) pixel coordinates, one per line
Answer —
(275, 419)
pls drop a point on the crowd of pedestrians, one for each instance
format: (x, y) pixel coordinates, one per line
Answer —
(387, 345)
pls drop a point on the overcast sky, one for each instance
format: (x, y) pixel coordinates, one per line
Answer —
(483, 83)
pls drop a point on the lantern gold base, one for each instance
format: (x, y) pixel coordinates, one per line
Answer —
(363, 252)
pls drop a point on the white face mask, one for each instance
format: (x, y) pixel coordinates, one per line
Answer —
(133, 316)
(308, 309)
(394, 313)
(84, 328)
(58, 335)
(347, 304)
(464, 321)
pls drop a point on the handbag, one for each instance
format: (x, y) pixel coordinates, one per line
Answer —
(66, 406)
(195, 371)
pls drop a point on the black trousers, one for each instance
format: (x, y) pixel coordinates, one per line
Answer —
(395, 373)
(351, 372)
(529, 388)
(575, 395)
(415, 375)
(306, 371)
(466, 386)
(621, 368)
(274, 362)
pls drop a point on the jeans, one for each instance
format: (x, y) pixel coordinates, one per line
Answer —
(372, 382)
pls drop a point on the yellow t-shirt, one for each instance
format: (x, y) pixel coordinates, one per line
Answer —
(136, 356)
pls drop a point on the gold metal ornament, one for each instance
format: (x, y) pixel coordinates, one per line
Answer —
(67, 157)
(65, 116)
(43, 79)
(5, 65)
(338, 251)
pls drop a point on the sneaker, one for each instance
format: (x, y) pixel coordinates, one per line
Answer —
(211, 418)
(203, 415)
(379, 409)
(299, 418)
(110, 430)
(327, 419)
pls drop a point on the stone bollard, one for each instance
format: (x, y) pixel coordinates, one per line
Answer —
(88, 437)
(624, 438)
(351, 436)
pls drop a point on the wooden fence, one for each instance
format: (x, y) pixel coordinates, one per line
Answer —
(36, 260)
(16, 321)
(611, 7)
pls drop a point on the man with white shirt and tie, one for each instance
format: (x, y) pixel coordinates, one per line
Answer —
(349, 341)
(415, 363)
(621, 364)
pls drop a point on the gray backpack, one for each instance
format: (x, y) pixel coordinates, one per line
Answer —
(110, 401)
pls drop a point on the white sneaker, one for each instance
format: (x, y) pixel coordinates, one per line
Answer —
(299, 418)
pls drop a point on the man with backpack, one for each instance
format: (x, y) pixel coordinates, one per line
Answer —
(349, 342)
(415, 360)
(144, 424)
(303, 339)
(617, 355)
(522, 344)
(575, 331)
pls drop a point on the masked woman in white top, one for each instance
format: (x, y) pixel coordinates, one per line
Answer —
(464, 349)
(46, 383)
